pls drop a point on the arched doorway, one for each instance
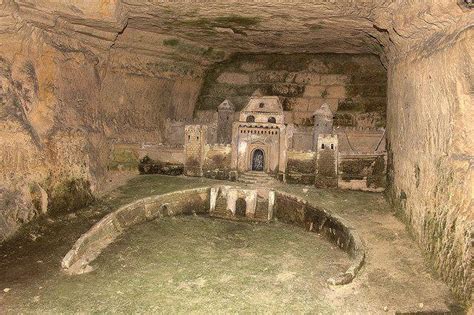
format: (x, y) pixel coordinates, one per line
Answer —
(258, 161)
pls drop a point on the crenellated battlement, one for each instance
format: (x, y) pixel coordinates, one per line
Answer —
(221, 144)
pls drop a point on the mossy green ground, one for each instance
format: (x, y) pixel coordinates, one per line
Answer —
(201, 265)
(196, 264)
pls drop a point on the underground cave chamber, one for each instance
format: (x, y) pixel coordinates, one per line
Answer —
(362, 107)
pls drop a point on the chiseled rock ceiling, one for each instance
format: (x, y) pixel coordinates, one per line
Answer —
(211, 30)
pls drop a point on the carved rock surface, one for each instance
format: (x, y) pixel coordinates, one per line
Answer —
(77, 76)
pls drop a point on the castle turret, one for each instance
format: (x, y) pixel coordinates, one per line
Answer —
(194, 142)
(225, 118)
(327, 161)
(323, 123)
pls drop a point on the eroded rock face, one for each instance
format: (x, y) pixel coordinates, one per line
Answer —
(77, 76)
(354, 86)
(431, 143)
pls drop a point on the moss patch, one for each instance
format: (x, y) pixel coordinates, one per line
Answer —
(123, 159)
(149, 166)
(355, 169)
(171, 42)
(223, 21)
(69, 196)
(378, 177)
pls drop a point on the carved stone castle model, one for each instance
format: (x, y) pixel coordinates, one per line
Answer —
(258, 142)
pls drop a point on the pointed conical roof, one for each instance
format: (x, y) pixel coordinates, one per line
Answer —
(264, 104)
(226, 104)
(257, 93)
(324, 110)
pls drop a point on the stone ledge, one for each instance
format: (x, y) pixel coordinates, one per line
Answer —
(333, 227)
(198, 201)
(90, 244)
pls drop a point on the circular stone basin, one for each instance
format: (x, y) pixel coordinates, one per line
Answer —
(195, 263)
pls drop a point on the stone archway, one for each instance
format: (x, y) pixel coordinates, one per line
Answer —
(258, 160)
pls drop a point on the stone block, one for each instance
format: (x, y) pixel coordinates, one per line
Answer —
(155, 209)
(314, 91)
(276, 76)
(296, 104)
(317, 65)
(252, 66)
(336, 91)
(307, 78)
(131, 214)
(285, 89)
(334, 79)
(234, 78)
(288, 117)
(303, 118)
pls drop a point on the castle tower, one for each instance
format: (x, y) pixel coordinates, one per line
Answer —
(225, 118)
(327, 161)
(194, 141)
(323, 123)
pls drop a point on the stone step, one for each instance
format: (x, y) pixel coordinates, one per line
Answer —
(259, 182)
(256, 178)
(248, 181)
(257, 174)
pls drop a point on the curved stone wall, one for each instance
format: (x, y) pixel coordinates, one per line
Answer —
(287, 208)
(104, 232)
(295, 210)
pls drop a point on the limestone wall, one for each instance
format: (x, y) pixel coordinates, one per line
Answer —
(300, 138)
(163, 153)
(64, 102)
(353, 85)
(362, 172)
(431, 149)
(300, 168)
(124, 157)
(50, 160)
(217, 161)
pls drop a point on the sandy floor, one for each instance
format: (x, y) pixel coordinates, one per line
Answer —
(194, 264)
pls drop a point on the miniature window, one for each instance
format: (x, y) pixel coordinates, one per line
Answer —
(322, 146)
(332, 146)
(272, 120)
(261, 105)
(250, 118)
(189, 137)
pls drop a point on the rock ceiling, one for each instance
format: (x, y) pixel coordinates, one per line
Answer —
(208, 31)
